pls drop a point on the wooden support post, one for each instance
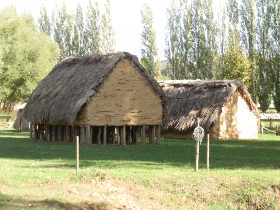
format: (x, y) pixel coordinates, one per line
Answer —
(82, 135)
(66, 134)
(73, 132)
(118, 135)
(158, 134)
(128, 134)
(143, 133)
(30, 130)
(150, 135)
(153, 134)
(88, 135)
(104, 135)
(208, 150)
(133, 135)
(77, 154)
(270, 123)
(99, 136)
(58, 133)
(47, 132)
(123, 135)
(40, 131)
(197, 156)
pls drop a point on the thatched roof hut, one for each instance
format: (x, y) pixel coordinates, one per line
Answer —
(108, 90)
(225, 109)
(21, 123)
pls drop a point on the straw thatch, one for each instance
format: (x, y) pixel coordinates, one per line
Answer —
(21, 123)
(70, 85)
(189, 100)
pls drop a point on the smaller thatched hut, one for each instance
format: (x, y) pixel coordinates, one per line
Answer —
(21, 123)
(225, 109)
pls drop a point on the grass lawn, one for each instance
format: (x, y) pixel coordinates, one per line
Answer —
(41, 175)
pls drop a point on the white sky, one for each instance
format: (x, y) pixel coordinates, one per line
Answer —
(126, 17)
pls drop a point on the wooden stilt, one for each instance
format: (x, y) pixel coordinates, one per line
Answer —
(208, 148)
(197, 156)
(158, 134)
(150, 135)
(47, 132)
(143, 133)
(40, 127)
(115, 137)
(82, 133)
(30, 130)
(88, 135)
(133, 135)
(77, 155)
(99, 136)
(73, 132)
(104, 135)
(67, 139)
(118, 135)
(123, 135)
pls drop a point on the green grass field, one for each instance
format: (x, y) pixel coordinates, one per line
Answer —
(41, 175)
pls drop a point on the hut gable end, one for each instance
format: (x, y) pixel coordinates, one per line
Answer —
(69, 87)
(125, 97)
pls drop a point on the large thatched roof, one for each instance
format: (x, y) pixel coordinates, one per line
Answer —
(191, 99)
(60, 96)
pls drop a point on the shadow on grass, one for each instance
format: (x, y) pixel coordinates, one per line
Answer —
(11, 202)
(179, 153)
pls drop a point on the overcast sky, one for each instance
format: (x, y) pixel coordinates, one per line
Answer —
(126, 17)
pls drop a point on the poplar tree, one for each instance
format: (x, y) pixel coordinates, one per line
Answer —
(275, 46)
(172, 40)
(44, 21)
(248, 39)
(185, 40)
(79, 28)
(108, 37)
(92, 32)
(149, 51)
(263, 48)
(198, 39)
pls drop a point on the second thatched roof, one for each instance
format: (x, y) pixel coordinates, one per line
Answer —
(69, 86)
(189, 100)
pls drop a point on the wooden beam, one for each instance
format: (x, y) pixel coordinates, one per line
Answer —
(143, 133)
(58, 132)
(82, 135)
(74, 134)
(88, 135)
(66, 134)
(104, 135)
(47, 132)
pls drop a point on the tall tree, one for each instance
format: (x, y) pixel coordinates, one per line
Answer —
(149, 51)
(92, 36)
(172, 40)
(27, 55)
(108, 37)
(185, 40)
(198, 38)
(263, 57)
(275, 46)
(222, 39)
(44, 21)
(248, 39)
(79, 28)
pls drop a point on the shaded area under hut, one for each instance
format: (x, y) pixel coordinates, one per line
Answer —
(101, 99)
(225, 109)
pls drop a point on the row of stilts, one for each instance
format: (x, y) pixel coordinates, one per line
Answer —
(123, 135)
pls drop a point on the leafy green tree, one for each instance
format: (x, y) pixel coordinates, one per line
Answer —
(79, 27)
(248, 39)
(26, 57)
(264, 9)
(236, 64)
(108, 37)
(149, 52)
